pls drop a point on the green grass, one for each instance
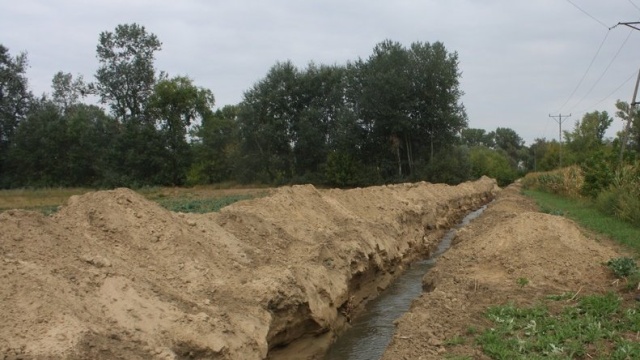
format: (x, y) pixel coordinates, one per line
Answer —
(585, 214)
(200, 205)
(565, 326)
(595, 326)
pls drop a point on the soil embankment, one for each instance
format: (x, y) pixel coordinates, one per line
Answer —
(112, 275)
(508, 242)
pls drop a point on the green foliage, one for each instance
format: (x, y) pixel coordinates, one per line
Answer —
(175, 104)
(341, 170)
(598, 175)
(201, 206)
(451, 166)
(510, 142)
(588, 216)
(622, 197)
(477, 137)
(456, 340)
(214, 147)
(594, 325)
(622, 267)
(15, 99)
(126, 75)
(371, 114)
(492, 163)
(392, 117)
(522, 281)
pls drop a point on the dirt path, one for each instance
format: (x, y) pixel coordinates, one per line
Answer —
(112, 275)
(510, 241)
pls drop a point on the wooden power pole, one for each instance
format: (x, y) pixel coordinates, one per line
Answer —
(559, 120)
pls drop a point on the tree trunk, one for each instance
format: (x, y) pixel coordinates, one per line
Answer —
(409, 154)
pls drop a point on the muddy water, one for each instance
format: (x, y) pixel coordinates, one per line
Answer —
(371, 332)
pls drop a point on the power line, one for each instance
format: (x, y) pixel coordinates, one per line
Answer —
(634, 5)
(608, 96)
(589, 15)
(605, 70)
(586, 72)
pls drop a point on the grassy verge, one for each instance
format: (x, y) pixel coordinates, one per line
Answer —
(568, 326)
(585, 214)
(561, 327)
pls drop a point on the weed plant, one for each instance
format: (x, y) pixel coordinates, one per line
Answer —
(594, 326)
(200, 206)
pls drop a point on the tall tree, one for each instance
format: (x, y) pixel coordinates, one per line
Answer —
(588, 134)
(321, 96)
(386, 98)
(52, 147)
(175, 104)
(477, 137)
(14, 99)
(125, 81)
(67, 91)
(126, 76)
(215, 147)
(436, 103)
(265, 124)
(510, 142)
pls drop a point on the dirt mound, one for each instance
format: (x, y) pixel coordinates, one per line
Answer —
(112, 275)
(491, 258)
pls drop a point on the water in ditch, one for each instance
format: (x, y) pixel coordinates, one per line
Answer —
(371, 332)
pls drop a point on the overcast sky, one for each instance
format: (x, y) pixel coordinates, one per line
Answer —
(520, 59)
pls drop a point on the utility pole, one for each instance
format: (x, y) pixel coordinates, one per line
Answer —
(632, 106)
(631, 112)
(558, 119)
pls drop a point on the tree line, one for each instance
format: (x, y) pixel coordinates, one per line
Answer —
(394, 116)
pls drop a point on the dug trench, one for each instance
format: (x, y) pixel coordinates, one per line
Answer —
(112, 275)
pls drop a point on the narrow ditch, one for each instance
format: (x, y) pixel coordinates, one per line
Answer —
(371, 332)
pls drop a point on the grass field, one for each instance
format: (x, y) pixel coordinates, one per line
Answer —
(196, 199)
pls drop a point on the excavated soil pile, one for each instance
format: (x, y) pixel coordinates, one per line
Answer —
(112, 275)
(510, 241)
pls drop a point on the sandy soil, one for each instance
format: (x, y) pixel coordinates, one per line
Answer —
(508, 242)
(112, 275)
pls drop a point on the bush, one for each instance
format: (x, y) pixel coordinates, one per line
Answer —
(492, 163)
(451, 166)
(622, 197)
(598, 175)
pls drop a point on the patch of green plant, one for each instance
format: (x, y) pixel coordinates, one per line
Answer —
(593, 326)
(200, 206)
(522, 282)
(622, 267)
(587, 215)
(563, 296)
(633, 281)
(456, 340)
